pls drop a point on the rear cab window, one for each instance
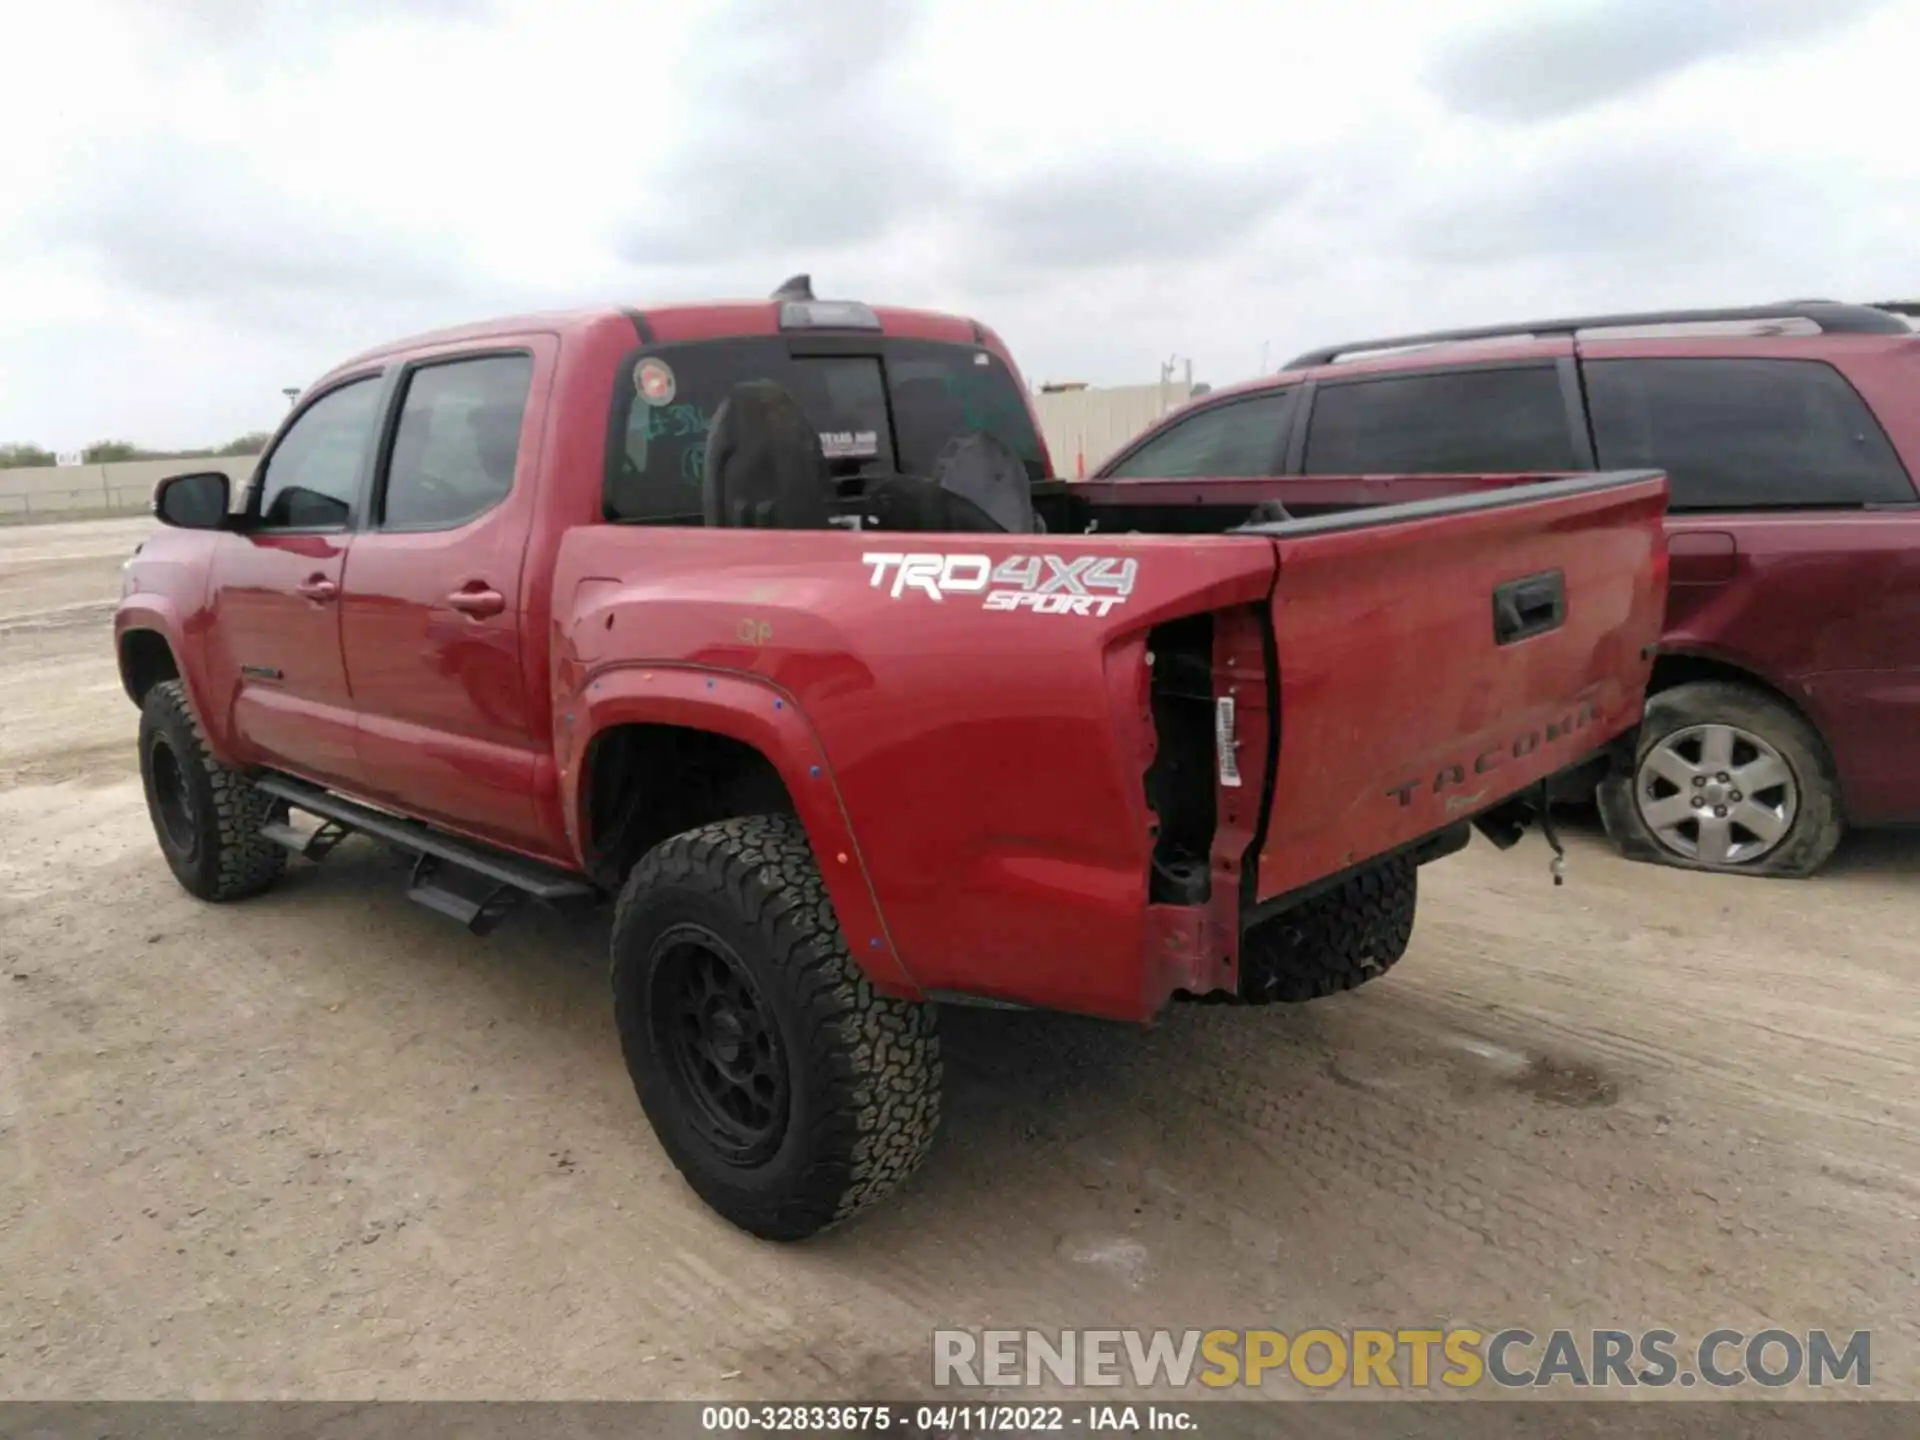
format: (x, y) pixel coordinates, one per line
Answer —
(881, 406)
(1738, 434)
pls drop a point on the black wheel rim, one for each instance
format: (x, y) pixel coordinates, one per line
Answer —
(721, 1045)
(172, 800)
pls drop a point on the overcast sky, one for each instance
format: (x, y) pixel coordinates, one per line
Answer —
(204, 201)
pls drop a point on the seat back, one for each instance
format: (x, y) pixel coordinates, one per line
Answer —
(984, 471)
(764, 466)
(909, 502)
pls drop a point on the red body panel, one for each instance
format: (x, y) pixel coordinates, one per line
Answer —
(274, 661)
(446, 713)
(990, 764)
(1825, 608)
(971, 775)
(1399, 711)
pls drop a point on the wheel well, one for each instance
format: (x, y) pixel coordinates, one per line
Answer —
(145, 661)
(646, 783)
(1672, 670)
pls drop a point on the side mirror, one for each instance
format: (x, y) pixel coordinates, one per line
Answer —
(193, 502)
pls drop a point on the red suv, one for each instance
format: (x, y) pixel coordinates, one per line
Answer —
(1785, 702)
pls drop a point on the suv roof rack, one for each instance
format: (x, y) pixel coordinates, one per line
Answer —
(1829, 316)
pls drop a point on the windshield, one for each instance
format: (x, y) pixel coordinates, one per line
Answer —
(887, 409)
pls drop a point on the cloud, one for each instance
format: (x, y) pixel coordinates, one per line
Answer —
(172, 218)
(1119, 209)
(282, 35)
(803, 138)
(1549, 60)
(1675, 198)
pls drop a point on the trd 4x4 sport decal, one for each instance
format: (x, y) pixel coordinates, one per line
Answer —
(1044, 584)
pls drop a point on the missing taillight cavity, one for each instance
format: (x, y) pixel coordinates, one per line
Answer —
(1180, 783)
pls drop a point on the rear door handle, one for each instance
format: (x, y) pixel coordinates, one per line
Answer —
(477, 599)
(318, 588)
(1529, 606)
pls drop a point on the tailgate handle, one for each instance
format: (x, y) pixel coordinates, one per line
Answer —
(1529, 606)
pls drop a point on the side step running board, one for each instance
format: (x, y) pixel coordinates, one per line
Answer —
(472, 883)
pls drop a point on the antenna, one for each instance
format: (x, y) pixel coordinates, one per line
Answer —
(795, 287)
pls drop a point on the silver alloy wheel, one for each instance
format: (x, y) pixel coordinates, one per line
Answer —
(1716, 794)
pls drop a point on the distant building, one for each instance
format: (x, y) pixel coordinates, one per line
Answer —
(1084, 424)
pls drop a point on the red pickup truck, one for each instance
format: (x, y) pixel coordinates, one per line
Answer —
(767, 619)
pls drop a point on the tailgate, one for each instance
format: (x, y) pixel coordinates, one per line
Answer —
(1435, 658)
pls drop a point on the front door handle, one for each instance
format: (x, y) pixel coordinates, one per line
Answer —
(477, 599)
(318, 588)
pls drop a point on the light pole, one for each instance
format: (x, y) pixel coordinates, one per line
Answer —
(292, 392)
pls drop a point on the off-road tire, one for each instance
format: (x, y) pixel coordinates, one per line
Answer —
(1818, 824)
(217, 851)
(862, 1070)
(1336, 941)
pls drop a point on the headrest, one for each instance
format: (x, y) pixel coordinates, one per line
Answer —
(1267, 512)
(496, 438)
(764, 466)
(983, 470)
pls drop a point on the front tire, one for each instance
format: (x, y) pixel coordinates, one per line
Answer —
(1338, 940)
(207, 816)
(1727, 778)
(789, 1093)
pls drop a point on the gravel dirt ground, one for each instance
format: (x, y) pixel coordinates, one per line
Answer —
(324, 1144)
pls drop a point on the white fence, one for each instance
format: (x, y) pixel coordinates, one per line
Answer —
(1084, 427)
(66, 491)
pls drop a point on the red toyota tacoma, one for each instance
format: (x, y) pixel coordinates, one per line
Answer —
(766, 619)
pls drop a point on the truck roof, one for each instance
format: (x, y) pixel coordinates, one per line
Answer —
(691, 320)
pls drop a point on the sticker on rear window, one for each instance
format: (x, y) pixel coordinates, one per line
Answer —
(850, 444)
(653, 381)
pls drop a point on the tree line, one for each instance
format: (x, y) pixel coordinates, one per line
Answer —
(112, 452)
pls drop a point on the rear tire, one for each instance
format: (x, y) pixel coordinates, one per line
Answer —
(1338, 940)
(789, 1093)
(1791, 808)
(207, 816)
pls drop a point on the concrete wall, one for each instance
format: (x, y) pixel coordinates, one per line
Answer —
(1089, 425)
(65, 491)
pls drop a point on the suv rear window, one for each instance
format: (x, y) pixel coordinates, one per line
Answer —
(887, 408)
(1476, 422)
(1739, 434)
(1450, 421)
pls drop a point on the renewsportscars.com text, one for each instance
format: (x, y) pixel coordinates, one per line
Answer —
(1458, 1359)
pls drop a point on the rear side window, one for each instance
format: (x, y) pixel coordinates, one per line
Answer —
(313, 473)
(1452, 422)
(1733, 434)
(459, 436)
(892, 410)
(1235, 438)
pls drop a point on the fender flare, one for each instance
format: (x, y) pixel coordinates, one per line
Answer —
(155, 615)
(759, 714)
